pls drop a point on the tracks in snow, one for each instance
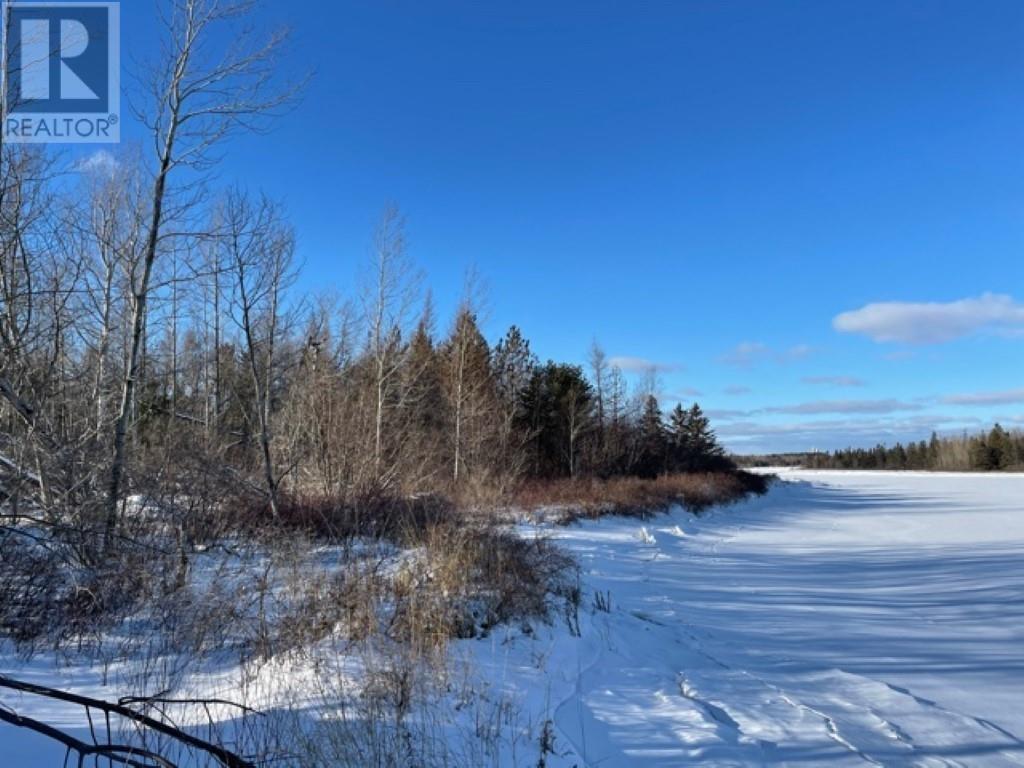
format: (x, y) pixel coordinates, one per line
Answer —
(713, 700)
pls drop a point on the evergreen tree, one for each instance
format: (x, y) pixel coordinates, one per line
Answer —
(557, 408)
(426, 432)
(512, 365)
(705, 452)
(896, 458)
(652, 440)
(1001, 448)
(934, 451)
(470, 394)
(995, 450)
(679, 438)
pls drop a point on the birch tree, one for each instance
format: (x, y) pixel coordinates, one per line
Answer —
(259, 249)
(197, 95)
(388, 299)
(471, 395)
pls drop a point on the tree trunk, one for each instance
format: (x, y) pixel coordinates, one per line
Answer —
(139, 298)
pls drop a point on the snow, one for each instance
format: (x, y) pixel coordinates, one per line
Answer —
(844, 619)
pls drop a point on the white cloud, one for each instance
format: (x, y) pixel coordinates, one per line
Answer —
(834, 381)
(746, 354)
(1007, 397)
(846, 406)
(641, 365)
(749, 353)
(933, 322)
(821, 407)
(101, 161)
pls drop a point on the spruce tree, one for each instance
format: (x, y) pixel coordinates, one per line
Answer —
(679, 435)
(558, 408)
(513, 365)
(652, 440)
(1001, 448)
(981, 455)
(470, 394)
(934, 452)
(705, 452)
(426, 431)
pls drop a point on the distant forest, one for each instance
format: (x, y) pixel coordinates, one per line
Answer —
(995, 450)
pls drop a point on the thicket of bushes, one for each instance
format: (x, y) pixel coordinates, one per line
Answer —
(640, 497)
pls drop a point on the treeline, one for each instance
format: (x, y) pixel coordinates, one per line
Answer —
(181, 361)
(241, 379)
(995, 450)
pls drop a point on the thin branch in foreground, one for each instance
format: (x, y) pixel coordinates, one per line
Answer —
(224, 757)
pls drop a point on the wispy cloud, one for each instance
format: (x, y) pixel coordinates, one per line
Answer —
(799, 352)
(758, 437)
(725, 414)
(750, 353)
(666, 397)
(737, 389)
(933, 322)
(846, 406)
(1010, 420)
(838, 423)
(100, 161)
(685, 393)
(631, 364)
(1006, 397)
(824, 407)
(834, 381)
(745, 354)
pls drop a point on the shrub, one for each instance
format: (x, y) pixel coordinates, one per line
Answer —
(640, 497)
(402, 520)
(469, 579)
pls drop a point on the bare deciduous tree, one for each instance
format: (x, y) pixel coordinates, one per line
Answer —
(259, 250)
(196, 99)
(388, 299)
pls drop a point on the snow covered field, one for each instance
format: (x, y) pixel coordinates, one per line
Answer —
(843, 619)
(846, 618)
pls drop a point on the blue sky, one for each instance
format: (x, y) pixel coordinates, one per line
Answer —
(705, 186)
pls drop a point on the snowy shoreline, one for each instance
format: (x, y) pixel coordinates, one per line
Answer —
(846, 617)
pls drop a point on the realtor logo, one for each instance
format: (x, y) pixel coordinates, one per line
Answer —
(61, 72)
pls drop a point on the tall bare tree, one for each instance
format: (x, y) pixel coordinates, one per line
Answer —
(389, 297)
(471, 394)
(197, 96)
(259, 249)
(599, 373)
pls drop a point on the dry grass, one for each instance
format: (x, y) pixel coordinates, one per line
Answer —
(639, 497)
(461, 573)
(411, 521)
(470, 579)
(257, 589)
(402, 520)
